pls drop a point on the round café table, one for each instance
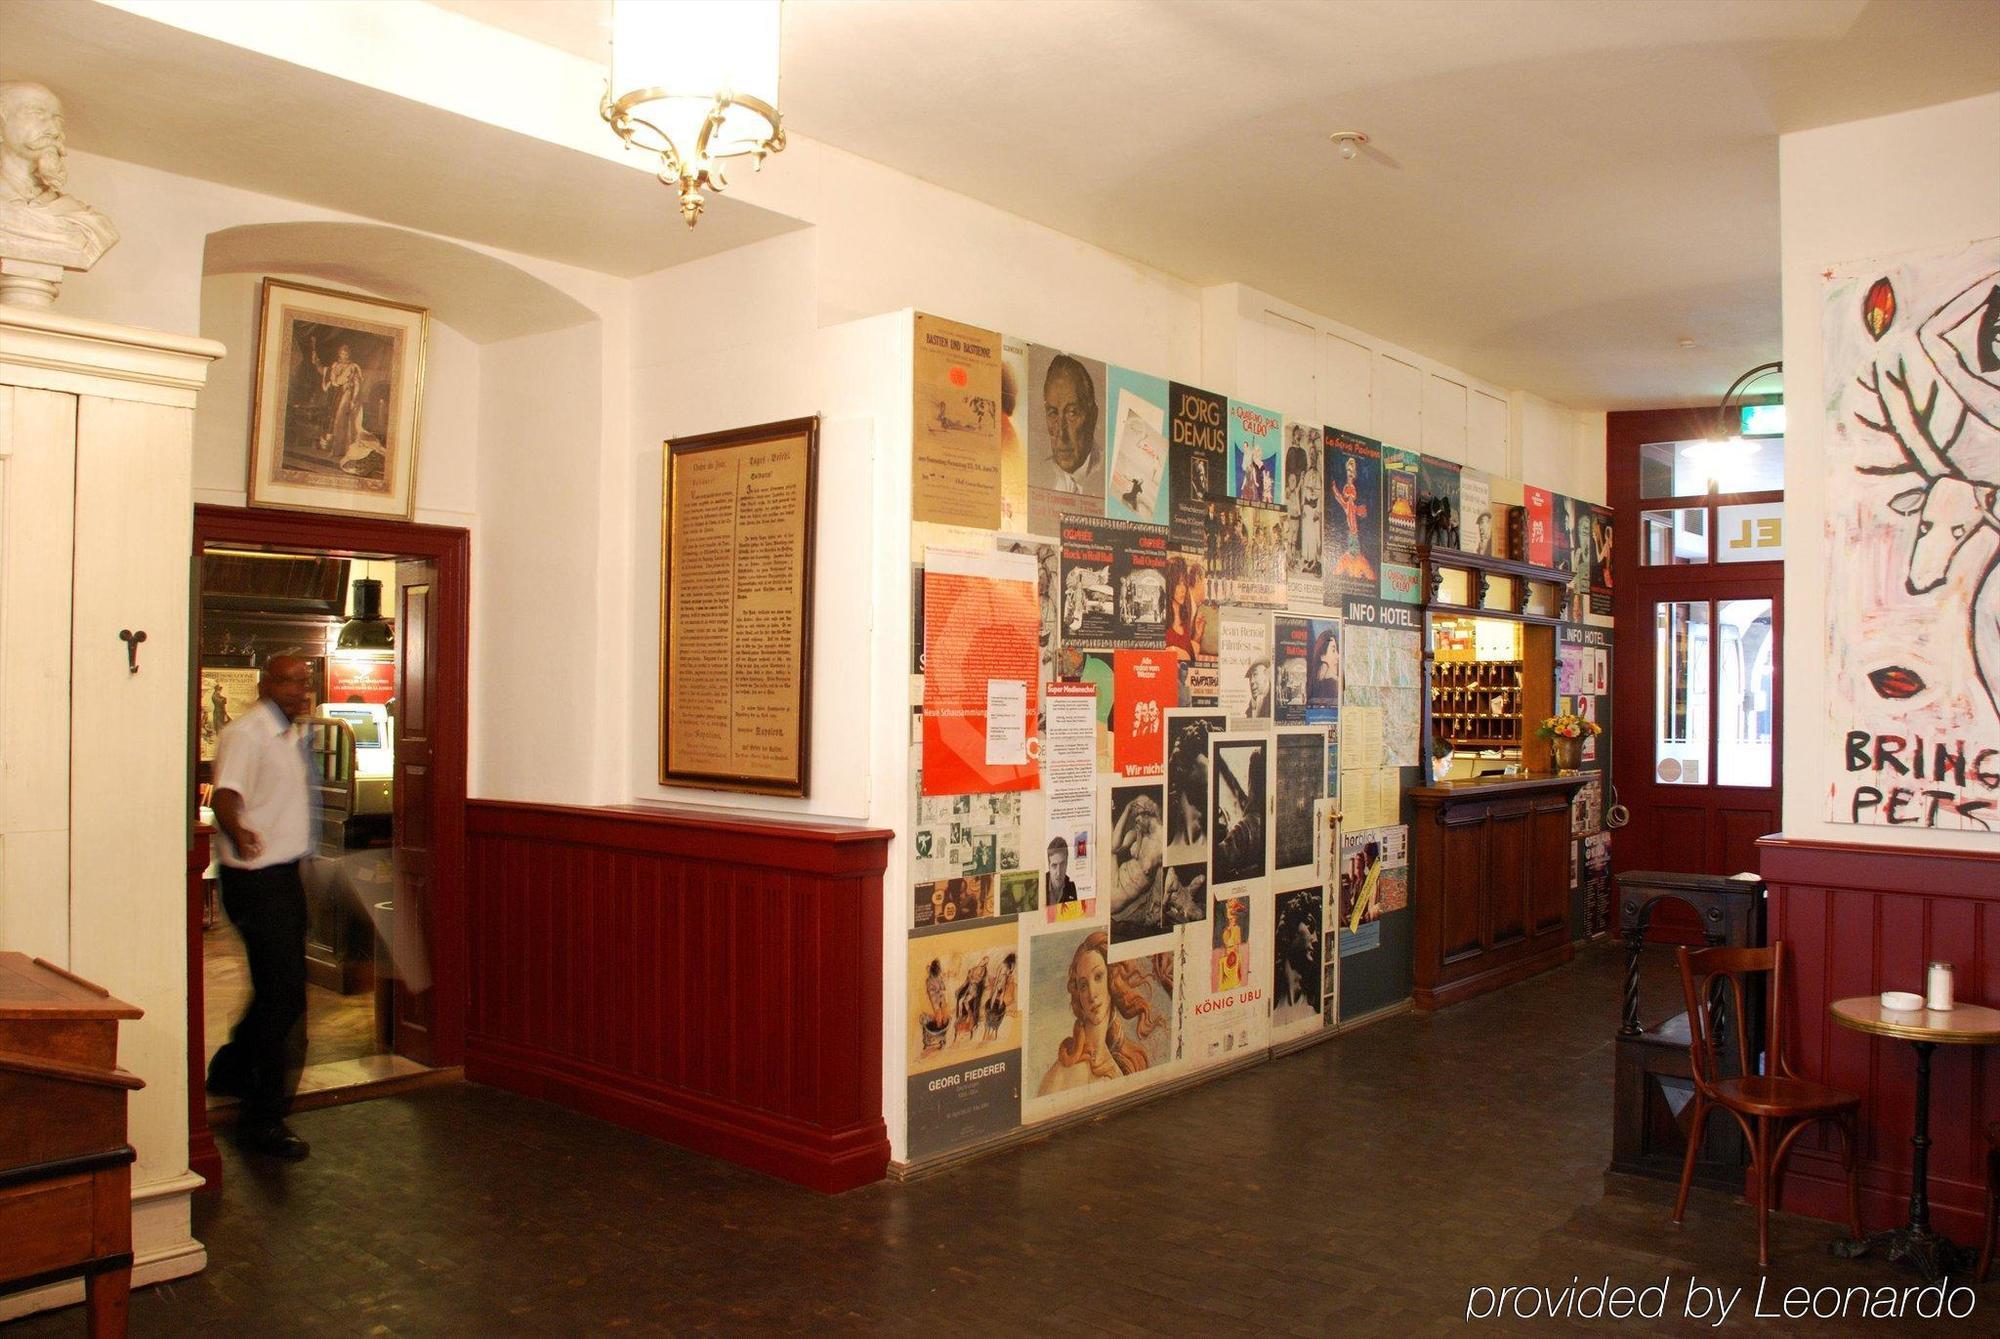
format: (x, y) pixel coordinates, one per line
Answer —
(1933, 1254)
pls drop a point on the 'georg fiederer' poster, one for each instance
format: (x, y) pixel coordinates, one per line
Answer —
(1913, 582)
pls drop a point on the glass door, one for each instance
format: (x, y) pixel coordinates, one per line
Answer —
(1699, 608)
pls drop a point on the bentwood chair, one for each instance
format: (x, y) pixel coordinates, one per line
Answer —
(1763, 1094)
(1992, 1199)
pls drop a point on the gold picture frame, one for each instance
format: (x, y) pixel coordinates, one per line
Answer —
(339, 388)
(737, 527)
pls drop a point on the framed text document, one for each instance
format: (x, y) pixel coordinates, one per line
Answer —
(736, 566)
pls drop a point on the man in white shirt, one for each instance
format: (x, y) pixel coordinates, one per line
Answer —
(1069, 411)
(263, 806)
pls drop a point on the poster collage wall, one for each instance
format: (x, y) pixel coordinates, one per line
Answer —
(1157, 632)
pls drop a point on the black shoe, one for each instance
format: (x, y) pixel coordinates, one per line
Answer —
(274, 1140)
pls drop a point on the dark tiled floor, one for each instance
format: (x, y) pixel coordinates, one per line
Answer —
(1358, 1188)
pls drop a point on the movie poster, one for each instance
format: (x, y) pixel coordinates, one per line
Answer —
(1135, 845)
(1602, 535)
(1296, 971)
(1066, 465)
(1239, 767)
(1323, 672)
(1571, 527)
(1399, 525)
(964, 1047)
(1438, 503)
(1147, 687)
(1291, 666)
(1187, 784)
(1300, 785)
(1190, 631)
(1244, 668)
(1114, 583)
(1138, 486)
(1254, 438)
(1353, 509)
(1476, 524)
(1198, 461)
(1538, 522)
(1305, 522)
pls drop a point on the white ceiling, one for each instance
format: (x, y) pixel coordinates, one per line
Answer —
(1558, 192)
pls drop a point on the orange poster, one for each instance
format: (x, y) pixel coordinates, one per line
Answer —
(982, 659)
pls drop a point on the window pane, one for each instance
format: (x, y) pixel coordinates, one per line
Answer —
(1680, 696)
(1750, 532)
(1691, 469)
(1745, 667)
(1673, 538)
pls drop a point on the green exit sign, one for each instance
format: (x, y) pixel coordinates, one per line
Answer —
(1763, 420)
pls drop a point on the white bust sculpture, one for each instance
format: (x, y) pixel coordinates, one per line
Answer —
(42, 231)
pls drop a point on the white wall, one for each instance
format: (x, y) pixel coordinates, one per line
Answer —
(1305, 365)
(1911, 182)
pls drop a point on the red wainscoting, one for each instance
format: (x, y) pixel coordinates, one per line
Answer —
(715, 982)
(1864, 919)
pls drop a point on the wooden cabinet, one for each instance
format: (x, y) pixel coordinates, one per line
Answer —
(96, 524)
(1491, 891)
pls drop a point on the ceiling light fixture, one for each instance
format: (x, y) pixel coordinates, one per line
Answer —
(1349, 143)
(705, 72)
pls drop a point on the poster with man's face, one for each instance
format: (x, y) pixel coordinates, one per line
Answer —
(1066, 400)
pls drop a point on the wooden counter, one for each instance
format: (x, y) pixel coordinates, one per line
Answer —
(1490, 894)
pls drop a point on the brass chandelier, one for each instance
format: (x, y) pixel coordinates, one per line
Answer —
(705, 75)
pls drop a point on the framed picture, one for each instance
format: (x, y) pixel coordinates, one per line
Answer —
(736, 593)
(340, 379)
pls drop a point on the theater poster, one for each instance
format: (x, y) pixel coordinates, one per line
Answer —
(1912, 376)
(1353, 516)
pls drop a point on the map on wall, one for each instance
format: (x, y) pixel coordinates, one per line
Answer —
(1913, 596)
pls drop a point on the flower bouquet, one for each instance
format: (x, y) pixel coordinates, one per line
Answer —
(1566, 733)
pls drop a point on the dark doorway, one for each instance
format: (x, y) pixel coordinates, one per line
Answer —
(381, 609)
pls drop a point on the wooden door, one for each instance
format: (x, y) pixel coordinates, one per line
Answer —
(415, 778)
(1697, 669)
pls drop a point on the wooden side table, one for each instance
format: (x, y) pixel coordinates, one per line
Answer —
(1933, 1253)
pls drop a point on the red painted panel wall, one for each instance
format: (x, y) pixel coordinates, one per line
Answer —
(714, 982)
(1861, 920)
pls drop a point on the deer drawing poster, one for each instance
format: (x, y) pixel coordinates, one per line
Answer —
(1913, 573)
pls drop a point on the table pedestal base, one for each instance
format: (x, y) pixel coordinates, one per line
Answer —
(1932, 1254)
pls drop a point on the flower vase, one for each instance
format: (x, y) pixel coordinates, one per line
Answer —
(1566, 754)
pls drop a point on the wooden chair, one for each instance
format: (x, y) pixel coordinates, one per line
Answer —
(1992, 1199)
(1769, 1093)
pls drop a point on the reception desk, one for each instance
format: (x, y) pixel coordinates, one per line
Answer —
(1490, 896)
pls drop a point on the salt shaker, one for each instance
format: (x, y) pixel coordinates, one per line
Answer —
(1938, 994)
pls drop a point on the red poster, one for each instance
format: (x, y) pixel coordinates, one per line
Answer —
(349, 679)
(1538, 527)
(982, 658)
(1147, 684)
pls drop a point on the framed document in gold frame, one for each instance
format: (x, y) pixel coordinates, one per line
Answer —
(340, 380)
(736, 592)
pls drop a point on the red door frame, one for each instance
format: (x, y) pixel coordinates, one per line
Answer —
(1635, 590)
(363, 537)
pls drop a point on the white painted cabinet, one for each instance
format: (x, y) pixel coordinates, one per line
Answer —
(96, 517)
